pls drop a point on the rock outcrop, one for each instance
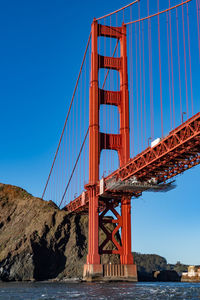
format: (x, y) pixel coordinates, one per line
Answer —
(152, 267)
(38, 241)
(147, 263)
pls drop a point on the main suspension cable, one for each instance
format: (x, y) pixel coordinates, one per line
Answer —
(118, 10)
(159, 13)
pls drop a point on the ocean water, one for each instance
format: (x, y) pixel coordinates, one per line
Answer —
(117, 290)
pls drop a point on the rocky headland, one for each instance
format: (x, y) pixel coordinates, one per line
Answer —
(38, 241)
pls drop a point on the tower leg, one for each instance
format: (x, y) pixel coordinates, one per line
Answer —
(93, 269)
(130, 268)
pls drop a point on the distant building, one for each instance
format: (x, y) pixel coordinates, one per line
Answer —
(193, 274)
(198, 272)
(191, 271)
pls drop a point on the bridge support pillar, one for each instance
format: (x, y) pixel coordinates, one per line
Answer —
(93, 256)
(126, 257)
(130, 269)
(93, 270)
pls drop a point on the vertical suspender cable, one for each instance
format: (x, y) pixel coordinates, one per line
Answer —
(76, 134)
(69, 160)
(150, 74)
(80, 121)
(73, 140)
(169, 76)
(160, 73)
(66, 156)
(144, 92)
(74, 168)
(131, 83)
(190, 64)
(103, 108)
(198, 25)
(172, 67)
(179, 68)
(117, 84)
(117, 80)
(111, 88)
(141, 106)
(60, 175)
(136, 74)
(67, 116)
(186, 83)
(84, 104)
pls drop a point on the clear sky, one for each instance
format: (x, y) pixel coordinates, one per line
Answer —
(41, 48)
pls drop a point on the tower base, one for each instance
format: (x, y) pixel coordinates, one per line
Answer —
(92, 272)
(110, 272)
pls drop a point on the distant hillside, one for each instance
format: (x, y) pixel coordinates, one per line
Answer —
(152, 262)
(149, 265)
(149, 262)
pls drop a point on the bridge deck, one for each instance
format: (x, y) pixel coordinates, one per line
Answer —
(174, 154)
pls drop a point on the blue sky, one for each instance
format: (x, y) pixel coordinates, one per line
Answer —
(42, 45)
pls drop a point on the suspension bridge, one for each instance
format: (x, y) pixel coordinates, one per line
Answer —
(133, 123)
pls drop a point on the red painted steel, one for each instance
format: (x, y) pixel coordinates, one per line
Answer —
(159, 13)
(99, 141)
(110, 97)
(110, 236)
(182, 143)
(118, 10)
(173, 155)
(93, 257)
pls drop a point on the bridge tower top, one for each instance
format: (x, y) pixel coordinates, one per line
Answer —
(99, 140)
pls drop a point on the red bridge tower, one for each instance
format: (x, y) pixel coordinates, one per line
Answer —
(119, 142)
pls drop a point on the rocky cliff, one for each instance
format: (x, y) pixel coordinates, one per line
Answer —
(38, 241)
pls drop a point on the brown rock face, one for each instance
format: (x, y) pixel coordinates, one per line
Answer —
(38, 241)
